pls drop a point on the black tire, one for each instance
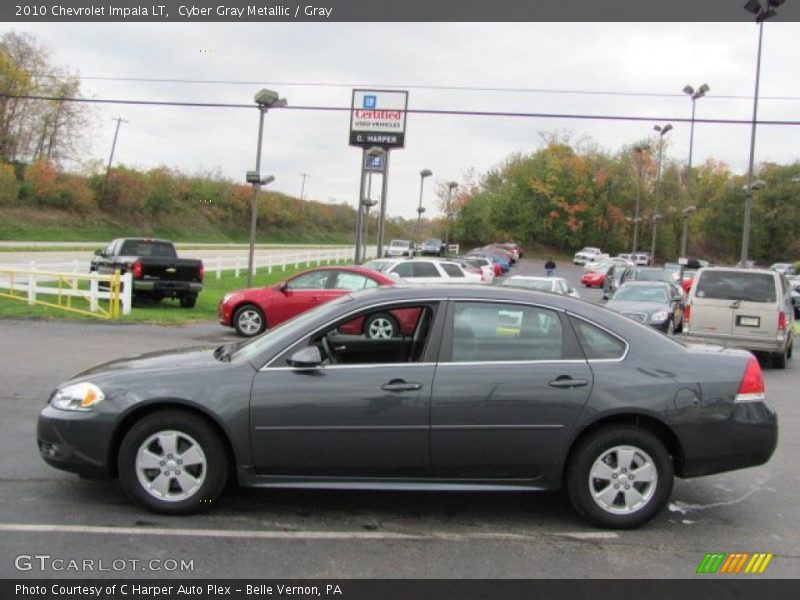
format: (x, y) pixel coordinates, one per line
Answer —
(381, 326)
(679, 326)
(591, 449)
(190, 429)
(188, 300)
(779, 359)
(249, 320)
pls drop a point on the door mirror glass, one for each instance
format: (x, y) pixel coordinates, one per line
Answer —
(306, 358)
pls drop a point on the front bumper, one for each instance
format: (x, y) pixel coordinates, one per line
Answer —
(746, 439)
(75, 441)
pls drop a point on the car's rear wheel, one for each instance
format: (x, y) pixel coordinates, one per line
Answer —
(619, 477)
(381, 326)
(779, 359)
(188, 300)
(248, 320)
(173, 462)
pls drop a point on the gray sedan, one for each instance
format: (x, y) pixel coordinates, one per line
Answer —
(494, 389)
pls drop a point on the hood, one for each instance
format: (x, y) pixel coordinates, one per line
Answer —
(181, 360)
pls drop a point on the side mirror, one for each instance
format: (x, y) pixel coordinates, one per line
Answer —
(283, 286)
(394, 275)
(99, 252)
(307, 358)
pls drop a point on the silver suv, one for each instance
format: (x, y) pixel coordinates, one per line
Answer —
(742, 308)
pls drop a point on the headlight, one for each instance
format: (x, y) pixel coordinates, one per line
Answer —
(81, 396)
(659, 317)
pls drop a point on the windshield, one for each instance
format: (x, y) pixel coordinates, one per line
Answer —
(545, 285)
(285, 333)
(640, 294)
(400, 243)
(652, 275)
(433, 242)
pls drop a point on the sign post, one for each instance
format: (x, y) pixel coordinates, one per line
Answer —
(377, 119)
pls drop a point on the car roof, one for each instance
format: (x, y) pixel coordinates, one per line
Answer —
(760, 270)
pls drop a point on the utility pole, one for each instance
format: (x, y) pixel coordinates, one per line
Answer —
(303, 185)
(119, 121)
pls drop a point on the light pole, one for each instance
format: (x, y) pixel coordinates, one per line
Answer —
(662, 131)
(638, 150)
(762, 13)
(694, 95)
(420, 209)
(450, 187)
(265, 99)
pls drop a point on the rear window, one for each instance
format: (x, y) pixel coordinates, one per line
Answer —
(736, 285)
(596, 343)
(145, 248)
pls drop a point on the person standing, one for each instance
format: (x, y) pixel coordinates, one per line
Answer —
(549, 266)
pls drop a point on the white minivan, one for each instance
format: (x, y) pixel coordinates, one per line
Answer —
(741, 308)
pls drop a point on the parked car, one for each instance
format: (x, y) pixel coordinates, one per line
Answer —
(557, 285)
(485, 266)
(253, 310)
(420, 270)
(742, 308)
(516, 247)
(794, 284)
(506, 255)
(652, 303)
(652, 274)
(624, 256)
(588, 253)
(157, 271)
(596, 277)
(398, 248)
(497, 389)
(512, 250)
(433, 247)
(495, 257)
(642, 259)
(783, 268)
(675, 271)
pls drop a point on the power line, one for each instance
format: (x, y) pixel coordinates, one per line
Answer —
(423, 111)
(418, 86)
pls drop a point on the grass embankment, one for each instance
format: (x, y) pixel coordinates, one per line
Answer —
(53, 225)
(166, 312)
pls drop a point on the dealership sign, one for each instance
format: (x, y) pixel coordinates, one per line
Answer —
(378, 118)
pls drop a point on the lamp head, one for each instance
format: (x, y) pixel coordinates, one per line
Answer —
(452, 185)
(687, 89)
(269, 98)
(425, 173)
(753, 6)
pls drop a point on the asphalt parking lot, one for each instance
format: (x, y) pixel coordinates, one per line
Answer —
(323, 534)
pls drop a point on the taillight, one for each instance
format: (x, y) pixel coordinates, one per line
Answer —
(201, 271)
(751, 389)
(781, 321)
(136, 270)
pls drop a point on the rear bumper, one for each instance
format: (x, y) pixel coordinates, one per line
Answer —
(731, 341)
(746, 439)
(167, 286)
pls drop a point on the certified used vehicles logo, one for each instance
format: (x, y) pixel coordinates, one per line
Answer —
(735, 562)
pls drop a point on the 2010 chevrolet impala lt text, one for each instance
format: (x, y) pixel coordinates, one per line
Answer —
(491, 389)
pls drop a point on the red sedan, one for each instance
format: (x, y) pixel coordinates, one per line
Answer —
(251, 311)
(593, 278)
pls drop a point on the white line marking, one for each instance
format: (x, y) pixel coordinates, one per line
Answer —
(294, 535)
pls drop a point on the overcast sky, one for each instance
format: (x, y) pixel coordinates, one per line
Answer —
(655, 58)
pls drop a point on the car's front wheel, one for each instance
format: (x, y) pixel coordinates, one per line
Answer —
(619, 477)
(173, 462)
(248, 320)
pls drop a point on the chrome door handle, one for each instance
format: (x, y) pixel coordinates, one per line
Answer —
(400, 386)
(568, 382)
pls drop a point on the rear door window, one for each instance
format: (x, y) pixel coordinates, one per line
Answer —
(453, 270)
(736, 285)
(596, 343)
(424, 269)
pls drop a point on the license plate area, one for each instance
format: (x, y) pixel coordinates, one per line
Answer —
(746, 321)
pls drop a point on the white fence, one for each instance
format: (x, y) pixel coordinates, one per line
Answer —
(33, 283)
